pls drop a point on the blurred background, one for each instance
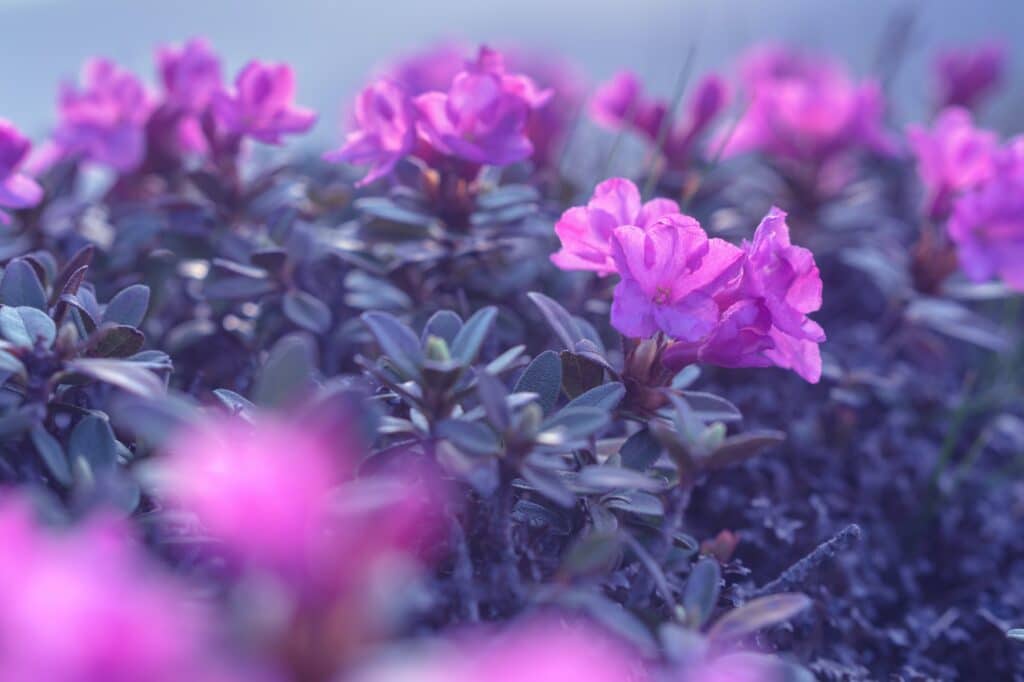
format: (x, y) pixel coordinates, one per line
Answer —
(334, 44)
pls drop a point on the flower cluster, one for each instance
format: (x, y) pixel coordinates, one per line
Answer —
(730, 306)
(111, 119)
(621, 104)
(17, 190)
(481, 118)
(805, 109)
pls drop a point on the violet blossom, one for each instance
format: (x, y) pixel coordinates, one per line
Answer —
(191, 76)
(952, 156)
(385, 118)
(806, 109)
(104, 120)
(987, 224)
(586, 231)
(262, 106)
(966, 76)
(482, 118)
(17, 190)
(670, 272)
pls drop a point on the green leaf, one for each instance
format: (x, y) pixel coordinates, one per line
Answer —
(287, 373)
(23, 326)
(757, 614)
(52, 454)
(1016, 634)
(640, 451)
(132, 377)
(472, 437)
(467, 343)
(701, 593)
(20, 286)
(559, 319)
(93, 440)
(543, 376)
(443, 324)
(548, 484)
(607, 396)
(493, 396)
(306, 311)
(579, 373)
(129, 306)
(738, 448)
(710, 408)
(116, 341)
(604, 478)
(595, 553)
(572, 424)
(396, 341)
(235, 403)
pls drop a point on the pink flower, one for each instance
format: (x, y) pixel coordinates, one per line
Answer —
(104, 121)
(805, 108)
(586, 231)
(262, 105)
(987, 224)
(386, 130)
(429, 70)
(670, 272)
(482, 118)
(17, 190)
(621, 104)
(85, 606)
(965, 76)
(191, 76)
(951, 157)
(764, 312)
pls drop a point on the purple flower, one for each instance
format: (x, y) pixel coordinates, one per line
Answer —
(262, 105)
(670, 272)
(987, 224)
(951, 157)
(966, 76)
(806, 109)
(386, 130)
(104, 121)
(429, 70)
(586, 231)
(621, 104)
(17, 190)
(482, 118)
(191, 76)
(764, 312)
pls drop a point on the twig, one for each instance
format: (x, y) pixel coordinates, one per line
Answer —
(800, 573)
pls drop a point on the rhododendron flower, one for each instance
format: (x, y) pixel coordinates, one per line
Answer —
(537, 651)
(191, 75)
(85, 606)
(805, 108)
(669, 273)
(764, 312)
(987, 224)
(482, 117)
(262, 105)
(428, 70)
(17, 190)
(586, 231)
(386, 130)
(951, 157)
(621, 104)
(965, 76)
(104, 121)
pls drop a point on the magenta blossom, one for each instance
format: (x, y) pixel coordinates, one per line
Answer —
(104, 121)
(764, 312)
(670, 272)
(262, 105)
(586, 231)
(191, 76)
(621, 104)
(482, 118)
(966, 76)
(85, 606)
(951, 157)
(987, 224)
(386, 130)
(805, 109)
(17, 190)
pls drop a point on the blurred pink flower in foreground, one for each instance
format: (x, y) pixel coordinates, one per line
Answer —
(537, 651)
(17, 190)
(805, 109)
(385, 130)
(621, 104)
(670, 272)
(262, 104)
(104, 120)
(586, 231)
(967, 75)
(951, 157)
(85, 606)
(482, 117)
(987, 224)
(764, 312)
(191, 76)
